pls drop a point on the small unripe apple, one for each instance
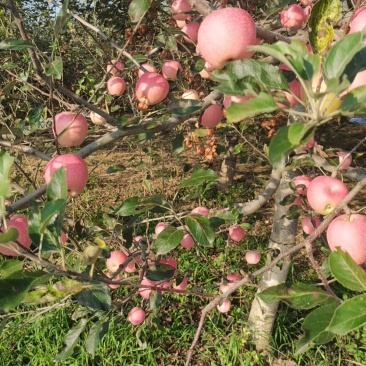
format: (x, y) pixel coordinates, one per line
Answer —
(344, 160)
(224, 307)
(324, 193)
(236, 233)
(179, 8)
(212, 116)
(97, 119)
(187, 242)
(349, 233)
(148, 67)
(170, 69)
(252, 257)
(201, 211)
(358, 20)
(225, 35)
(71, 128)
(190, 94)
(116, 258)
(160, 226)
(116, 86)
(309, 224)
(20, 223)
(115, 67)
(76, 171)
(151, 88)
(191, 30)
(136, 316)
(293, 17)
(302, 180)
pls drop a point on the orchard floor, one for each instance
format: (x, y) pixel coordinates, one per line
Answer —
(148, 169)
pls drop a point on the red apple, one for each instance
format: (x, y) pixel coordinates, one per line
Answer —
(309, 224)
(358, 20)
(116, 86)
(182, 285)
(224, 307)
(179, 8)
(233, 277)
(295, 89)
(115, 67)
(116, 258)
(136, 316)
(236, 233)
(302, 180)
(170, 69)
(151, 88)
(191, 30)
(228, 99)
(212, 116)
(324, 193)
(187, 242)
(205, 72)
(143, 291)
(349, 233)
(293, 17)
(225, 35)
(117, 278)
(160, 226)
(71, 128)
(170, 261)
(148, 67)
(252, 256)
(76, 172)
(201, 211)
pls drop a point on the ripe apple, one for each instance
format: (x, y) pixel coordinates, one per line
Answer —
(170, 261)
(293, 17)
(225, 35)
(71, 128)
(233, 277)
(97, 119)
(349, 233)
(187, 242)
(116, 258)
(306, 2)
(115, 67)
(190, 94)
(182, 285)
(170, 69)
(76, 171)
(309, 224)
(136, 316)
(212, 116)
(117, 278)
(359, 80)
(151, 88)
(191, 30)
(224, 307)
(145, 292)
(252, 256)
(302, 180)
(358, 20)
(324, 193)
(148, 67)
(160, 226)
(179, 8)
(116, 86)
(236, 233)
(20, 223)
(201, 211)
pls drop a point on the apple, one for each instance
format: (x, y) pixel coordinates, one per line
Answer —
(293, 17)
(358, 20)
(136, 316)
(324, 193)
(115, 67)
(252, 256)
(71, 128)
(151, 88)
(187, 242)
(349, 233)
(20, 223)
(143, 291)
(309, 224)
(236, 233)
(306, 2)
(182, 285)
(63, 238)
(148, 67)
(300, 181)
(228, 99)
(201, 211)
(224, 307)
(233, 277)
(116, 258)
(179, 8)
(225, 35)
(170, 69)
(76, 171)
(117, 278)
(191, 30)
(116, 86)
(212, 116)
(296, 202)
(344, 162)
(160, 226)
(170, 261)
(190, 94)
(359, 80)
(295, 92)
(182, 23)
(97, 119)
(309, 144)
(205, 72)
(225, 287)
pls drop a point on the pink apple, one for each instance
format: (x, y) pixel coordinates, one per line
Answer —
(224, 307)
(303, 181)
(359, 80)
(143, 291)
(170, 69)
(204, 211)
(358, 20)
(182, 23)
(349, 233)
(148, 67)
(309, 144)
(115, 67)
(293, 17)
(76, 172)
(170, 261)
(225, 287)
(309, 224)
(117, 278)
(116, 86)
(97, 119)
(151, 88)
(252, 256)
(306, 2)
(236, 233)
(191, 30)
(233, 277)
(324, 193)
(182, 285)
(344, 161)
(212, 116)
(225, 35)
(205, 72)
(179, 8)
(116, 258)
(296, 202)
(228, 99)
(187, 242)
(160, 226)
(190, 94)
(20, 223)
(136, 316)
(71, 128)
(295, 89)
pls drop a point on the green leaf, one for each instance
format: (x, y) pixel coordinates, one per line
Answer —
(137, 9)
(354, 102)
(178, 144)
(349, 316)
(136, 205)
(96, 333)
(346, 271)
(15, 44)
(11, 234)
(54, 68)
(71, 340)
(315, 326)
(61, 18)
(167, 240)
(6, 162)
(57, 187)
(184, 107)
(115, 168)
(199, 177)
(262, 103)
(96, 297)
(200, 228)
(160, 272)
(9, 267)
(50, 213)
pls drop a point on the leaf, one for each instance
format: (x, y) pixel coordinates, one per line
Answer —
(200, 228)
(167, 240)
(199, 177)
(349, 316)
(11, 234)
(9, 267)
(137, 9)
(71, 340)
(96, 333)
(354, 102)
(160, 272)
(315, 326)
(15, 45)
(286, 139)
(54, 68)
(184, 107)
(96, 297)
(115, 168)
(50, 213)
(61, 18)
(135, 205)
(57, 187)
(178, 144)
(262, 103)
(346, 271)
(321, 20)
